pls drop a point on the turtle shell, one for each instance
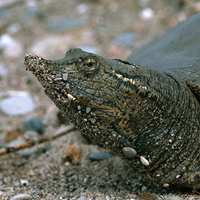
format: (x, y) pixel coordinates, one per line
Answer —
(177, 52)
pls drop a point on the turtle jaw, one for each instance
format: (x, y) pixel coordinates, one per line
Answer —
(32, 62)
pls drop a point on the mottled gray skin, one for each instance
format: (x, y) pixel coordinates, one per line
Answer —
(120, 104)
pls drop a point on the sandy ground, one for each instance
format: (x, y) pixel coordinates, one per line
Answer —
(49, 28)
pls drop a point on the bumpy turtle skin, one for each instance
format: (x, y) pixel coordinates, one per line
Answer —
(120, 104)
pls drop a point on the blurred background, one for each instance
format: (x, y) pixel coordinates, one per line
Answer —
(48, 28)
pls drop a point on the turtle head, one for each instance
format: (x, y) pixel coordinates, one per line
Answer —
(112, 101)
(84, 87)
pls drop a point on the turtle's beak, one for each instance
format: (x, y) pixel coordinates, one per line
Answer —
(34, 63)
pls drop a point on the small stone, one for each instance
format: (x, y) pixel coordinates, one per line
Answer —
(33, 123)
(24, 152)
(70, 97)
(17, 105)
(7, 3)
(24, 182)
(170, 140)
(144, 161)
(65, 24)
(65, 76)
(3, 71)
(16, 142)
(31, 135)
(28, 14)
(147, 14)
(172, 197)
(88, 109)
(126, 39)
(82, 8)
(2, 13)
(165, 185)
(22, 197)
(67, 164)
(144, 188)
(11, 47)
(129, 152)
(73, 154)
(178, 176)
(122, 139)
(47, 148)
(14, 28)
(100, 156)
(82, 198)
(93, 120)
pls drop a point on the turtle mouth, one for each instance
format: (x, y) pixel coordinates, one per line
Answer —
(49, 77)
(32, 63)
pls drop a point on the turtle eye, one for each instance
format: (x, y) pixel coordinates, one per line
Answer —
(89, 65)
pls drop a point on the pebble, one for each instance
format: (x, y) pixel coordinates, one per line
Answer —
(17, 105)
(73, 154)
(88, 109)
(172, 197)
(33, 123)
(144, 161)
(14, 28)
(7, 2)
(82, 198)
(3, 71)
(31, 135)
(22, 197)
(23, 182)
(10, 47)
(2, 13)
(147, 14)
(24, 152)
(100, 156)
(65, 24)
(16, 142)
(82, 8)
(126, 39)
(129, 152)
(28, 14)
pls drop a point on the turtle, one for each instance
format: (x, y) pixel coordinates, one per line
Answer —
(145, 109)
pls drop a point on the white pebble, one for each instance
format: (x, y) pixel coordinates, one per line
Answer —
(82, 8)
(22, 197)
(7, 2)
(24, 182)
(3, 70)
(71, 97)
(11, 47)
(147, 14)
(144, 161)
(17, 105)
(65, 76)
